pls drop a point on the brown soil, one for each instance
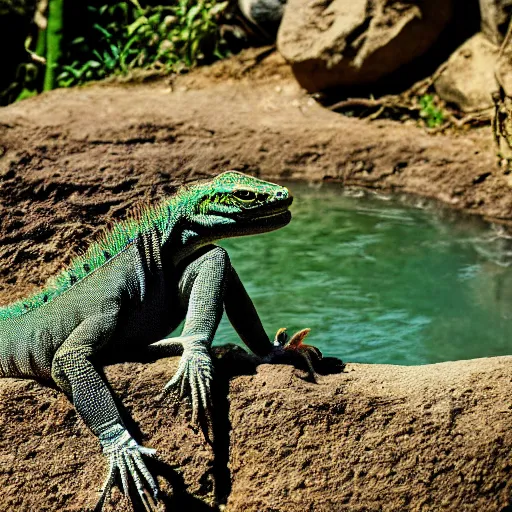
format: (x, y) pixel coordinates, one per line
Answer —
(376, 437)
(373, 438)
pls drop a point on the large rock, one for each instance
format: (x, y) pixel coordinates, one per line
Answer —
(377, 437)
(468, 79)
(344, 43)
(502, 125)
(504, 65)
(495, 16)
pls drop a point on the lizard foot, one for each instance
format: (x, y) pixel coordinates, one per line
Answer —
(308, 353)
(125, 458)
(194, 377)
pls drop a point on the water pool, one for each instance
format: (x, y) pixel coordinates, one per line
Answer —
(380, 280)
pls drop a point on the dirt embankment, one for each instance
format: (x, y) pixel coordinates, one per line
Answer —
(372, 438)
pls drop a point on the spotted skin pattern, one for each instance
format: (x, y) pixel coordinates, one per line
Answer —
(130, 289)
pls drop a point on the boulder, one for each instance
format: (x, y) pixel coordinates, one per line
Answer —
(374, 437)
(339, 43)
(502, 125)
(504, 65)
(468, 80)
(495, 16)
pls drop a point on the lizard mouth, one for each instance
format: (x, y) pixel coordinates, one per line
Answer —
(272, 215)
(269, 210)
(276, 220)
(258, 219)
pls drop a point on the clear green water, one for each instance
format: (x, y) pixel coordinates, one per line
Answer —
(380, 281)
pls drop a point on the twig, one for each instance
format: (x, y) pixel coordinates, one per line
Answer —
(356, 102)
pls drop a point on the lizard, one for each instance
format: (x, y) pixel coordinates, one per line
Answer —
(129, 290)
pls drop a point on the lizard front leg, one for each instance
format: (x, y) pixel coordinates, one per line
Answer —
(75, 374)
(201, 287)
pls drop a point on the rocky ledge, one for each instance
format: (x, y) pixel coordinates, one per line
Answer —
(372, 437)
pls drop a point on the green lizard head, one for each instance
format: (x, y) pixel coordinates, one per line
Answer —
(235, 204)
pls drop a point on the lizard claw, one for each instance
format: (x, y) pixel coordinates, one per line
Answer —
(309, 353)
(125, 458)
(194, 377)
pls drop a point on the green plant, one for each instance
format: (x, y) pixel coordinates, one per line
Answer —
(126, 35)
(430, 112)
(69, 43)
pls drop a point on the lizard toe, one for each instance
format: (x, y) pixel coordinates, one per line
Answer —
(193, 378)
(283, 345)
(125, 459)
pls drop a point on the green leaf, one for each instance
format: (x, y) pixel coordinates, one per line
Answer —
(105, 32)
(114, 50)
(154, 19)
(218, 8)
(72, 71)
(97, 55)
(136, 4)
(194, 47)
(192, 13)
(136, 25)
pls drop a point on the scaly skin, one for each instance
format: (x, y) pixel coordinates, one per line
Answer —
(133, 287)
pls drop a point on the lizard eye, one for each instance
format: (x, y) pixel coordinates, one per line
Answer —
(245, 195)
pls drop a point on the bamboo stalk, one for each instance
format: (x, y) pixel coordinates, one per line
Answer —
(54, 32)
